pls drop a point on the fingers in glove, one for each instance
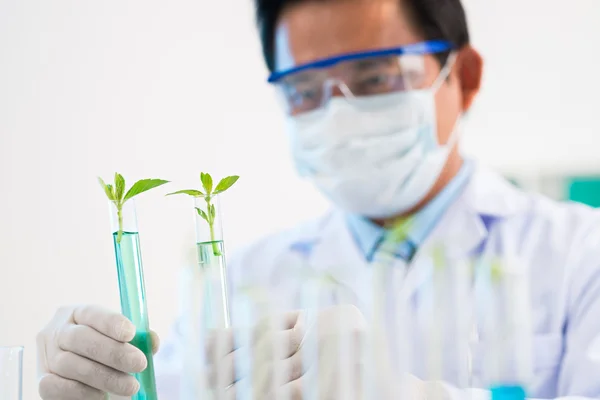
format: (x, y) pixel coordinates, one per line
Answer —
(271, 375)
(278, 345)
(274, 346)
(278, 322)
(114, 325)
(222, 342)
(91, 344)
(54, 387)
(290, 391)
(231, 392)
(74, 367)
(155, 342)
(222, 373)
(219, 343)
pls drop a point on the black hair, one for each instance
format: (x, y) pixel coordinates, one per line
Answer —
(437, 19)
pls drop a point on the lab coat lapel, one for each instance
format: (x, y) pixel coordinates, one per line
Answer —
(461, 231)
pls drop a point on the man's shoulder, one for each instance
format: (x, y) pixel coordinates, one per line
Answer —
(560, 239)
(491, 194)
(568, 219)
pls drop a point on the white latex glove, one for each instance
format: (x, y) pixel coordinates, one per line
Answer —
(83, 353)
(284, 375)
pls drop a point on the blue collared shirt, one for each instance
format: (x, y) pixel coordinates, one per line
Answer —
(369, 236)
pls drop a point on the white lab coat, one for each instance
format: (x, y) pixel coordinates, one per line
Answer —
(558, 242)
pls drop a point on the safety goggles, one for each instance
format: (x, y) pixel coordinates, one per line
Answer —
(309, 87)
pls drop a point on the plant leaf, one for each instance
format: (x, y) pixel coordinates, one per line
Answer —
(143, 186)
(119, 187)
(191, 192)
(213, 212)
(226, 183)
(207, 182)
(107, 189)
(110, 188)
(202, 214)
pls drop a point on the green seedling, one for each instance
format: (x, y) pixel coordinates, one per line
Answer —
(116, 193)
(396, 233)
(439, 258)
(496, 271)
(210, 214)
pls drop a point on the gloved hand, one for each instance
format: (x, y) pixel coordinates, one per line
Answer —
(274, 375)
(83, 353)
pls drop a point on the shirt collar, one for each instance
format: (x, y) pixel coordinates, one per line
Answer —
(369, 236)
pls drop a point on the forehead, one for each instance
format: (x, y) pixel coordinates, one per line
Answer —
(314, 30)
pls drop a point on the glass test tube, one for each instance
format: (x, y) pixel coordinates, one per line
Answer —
(331, 368)
(445, 317)
(506, 330)
(388, 347)
(311, 299)
(205, 302)
(193, 378)
(132, 291)
(11, 373)
(253, 305)
(211, 261)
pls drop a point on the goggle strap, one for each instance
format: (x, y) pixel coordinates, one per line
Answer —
(445, 72)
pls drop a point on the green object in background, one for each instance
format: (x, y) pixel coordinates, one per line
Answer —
(514, 181)
(584, 190)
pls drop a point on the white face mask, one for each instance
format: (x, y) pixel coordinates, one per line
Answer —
(375, 156)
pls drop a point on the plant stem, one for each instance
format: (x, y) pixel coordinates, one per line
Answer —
(120, 215)
(211, 226)
(214, 243)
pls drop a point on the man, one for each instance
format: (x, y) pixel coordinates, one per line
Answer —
(375, 92)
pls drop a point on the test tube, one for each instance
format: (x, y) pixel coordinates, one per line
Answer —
(205, 301)
(445, 319)
(211, 261)
(11, 373)
(132, 291)
(194, 358)
(321, 375)
(311, 299)
(253, 306)
(506, 329)
(388, 348)
(379, 345)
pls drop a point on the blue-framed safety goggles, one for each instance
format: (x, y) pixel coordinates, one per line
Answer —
(308, 87)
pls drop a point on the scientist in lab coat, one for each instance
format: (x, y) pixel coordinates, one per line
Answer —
(375, 93)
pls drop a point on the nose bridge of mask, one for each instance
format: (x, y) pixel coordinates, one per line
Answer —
(374, 116)
(398, 118)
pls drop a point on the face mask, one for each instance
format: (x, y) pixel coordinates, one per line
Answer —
(375, 156)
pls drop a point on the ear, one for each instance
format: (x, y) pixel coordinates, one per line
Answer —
(469, 68)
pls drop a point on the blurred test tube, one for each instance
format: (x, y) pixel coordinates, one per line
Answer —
(194, 363)
(445, 318)
(329, 347)
(11, 373)
(506, 330)
(254, 311)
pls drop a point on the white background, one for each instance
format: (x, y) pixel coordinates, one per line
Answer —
(167, 89)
